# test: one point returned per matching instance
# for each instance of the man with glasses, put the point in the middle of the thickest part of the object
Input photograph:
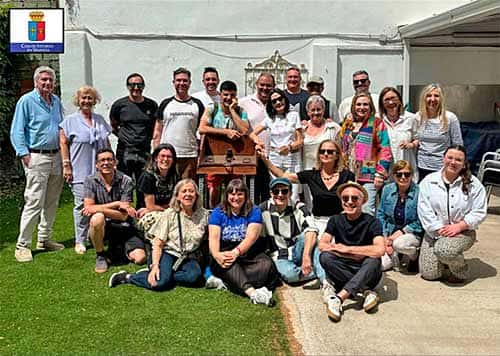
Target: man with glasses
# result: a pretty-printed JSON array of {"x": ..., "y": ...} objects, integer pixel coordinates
[
  {"x": 177, "y": 121},
  {"x": 295, "y": 94},
  {"x": 35, "y": 136},
  {"x": 361, "y": 84},
  {"x": 107, "y": 198},
  {"x": 210, "y": 81},
  {"x": 133, "y": 119},
  {"x": 292, "y": 235},
  {"x": 351, "y": 250}
]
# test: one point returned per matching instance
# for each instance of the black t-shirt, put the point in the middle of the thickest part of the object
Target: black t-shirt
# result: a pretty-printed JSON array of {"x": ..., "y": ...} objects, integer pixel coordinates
[
  {"x": 359, "y": 232},
  {"x": 162, "y": 188},
  {"x": 136, "y": 121},
  {"x": 298, "y": 102},
  {"x": 325, "y": 201}
]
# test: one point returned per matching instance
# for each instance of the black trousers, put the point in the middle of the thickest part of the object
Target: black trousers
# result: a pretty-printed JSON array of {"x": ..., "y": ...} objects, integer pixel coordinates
[
  {"x": 353, "y": 276},
  {"x": 133, "y": 166},
  {"x": 248, "y": 271},
  {"x": 262, "y": 180}
]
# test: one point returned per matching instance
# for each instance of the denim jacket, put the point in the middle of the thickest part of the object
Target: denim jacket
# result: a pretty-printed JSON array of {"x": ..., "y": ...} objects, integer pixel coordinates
[{"x": 385, "y": 212}]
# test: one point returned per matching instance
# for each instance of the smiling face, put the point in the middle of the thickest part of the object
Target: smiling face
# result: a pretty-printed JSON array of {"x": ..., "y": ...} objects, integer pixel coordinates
[
  {"x": 45, "y": 84},
  {"x": 264, "y": 86},
  {"x": 361, "y": 83},
  {"x": 453, "y": 162},
  {"x": 281, "y": 193},
  {"x": 187, "y": 196},
  {"x": 86, "y": 101},
  {"x": 402, "y": 177},
  {"x": 362, "y": 108},
  {"x": 106, "y": 163},
  {"x": 433, "y": 102},
  {"x": 135, "y": 86},
  {"x": 352, "y": 200},
  {"x": 236, "y": 200},
  {"x": 391, "y": 101},
  {"x": 182, "y": 82},
  {"x": 278, "y": 102},
  {"x": 328, "y": 153},
  {"x": 210, "y": 81},
  {"x": 315, "y": 111},
  {"x": 227, "y": 97},
  {"x": 164, "y": 160},
  {"x": 293, "y": 80}
]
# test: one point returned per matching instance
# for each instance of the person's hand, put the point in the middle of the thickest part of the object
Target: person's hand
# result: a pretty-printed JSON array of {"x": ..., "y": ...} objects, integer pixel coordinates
[
  {"x": 306, "y": 265},
  {"x": 338, "y": 247},
  {"x": 406, "y": 145},
  {"x": 154, "y": 275},
  {"x": 284, "y": 150},
  {"x": 141, "y": 212},
  {"x": 89, "y": 211},
  {"x": 304, "y": 123},
  {"x": 261, "y": 152},
  {"x": 125, "y": 206},
  {"x": 378, "y": 182},
  {"x": 450, "y": 230},
  {"x": 232, "y": 134},
  {"x": 234, "y": 105},
  {"x": 229, "y": 258},
  {"x": 396, "y": 234},
  {"x": 388, "y": 246},
  {"x": 26, "y": 160},
  {"x": 68, "y": 174}
]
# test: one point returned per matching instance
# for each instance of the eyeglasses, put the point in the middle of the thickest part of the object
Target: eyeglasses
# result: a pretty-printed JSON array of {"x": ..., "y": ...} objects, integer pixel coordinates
[
  {"x": 276, "y": 100},
  {"x": 135, "y": 85},
  {"x": 353, "y": 198},
  {"x": 360, "y": 81},
  {"x": 403, "y": 174},
  {"x": 283, "y": 191},
  {"x": 392, "y": 98},
  {"x": 107, "y": 159},
  {"x": 327, "y": 152}
]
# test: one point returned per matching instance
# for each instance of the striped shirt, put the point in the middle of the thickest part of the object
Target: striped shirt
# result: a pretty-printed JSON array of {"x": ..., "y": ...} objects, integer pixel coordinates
[
  {"x": 121, "y": 188},
  {"x": 433, "y": 140},
  {"x": 283, "y": 229}
]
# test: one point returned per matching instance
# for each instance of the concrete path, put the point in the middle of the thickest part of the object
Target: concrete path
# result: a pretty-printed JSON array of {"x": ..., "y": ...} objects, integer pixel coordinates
[{"x": 415, "y": 317}]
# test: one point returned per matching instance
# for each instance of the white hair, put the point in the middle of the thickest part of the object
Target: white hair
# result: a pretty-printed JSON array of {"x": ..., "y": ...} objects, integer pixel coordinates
[{"x": 43, "y": 69}]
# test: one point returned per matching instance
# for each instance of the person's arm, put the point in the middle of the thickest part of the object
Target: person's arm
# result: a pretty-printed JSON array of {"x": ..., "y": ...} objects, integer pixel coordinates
[
  {"x": 310, "y": 238},
  {"x": 252, "y": 234},
  {"x": 430, "y": 219},
  {"x": 17, "y": 134},
  {"x": 325, "y": 243},
  {"x": 214, "y": 233},
  {"x": 154, "y": 268},
  {"x": 299, "y": 141},
  {"x": 377, "y": 249},
  {"x": 384, "y": 153},
  {"x": 242, "y": 125},
  {"x": 110, "y": 210},
  {"x": 157, "y": 133},
  {"x": 292, "y": 177},
  {"x": 115, "y": 123},
  {"x": 255, "y": 133},
  {"x": 454, "y": 130},
  {"x": 64, "y": 147}
]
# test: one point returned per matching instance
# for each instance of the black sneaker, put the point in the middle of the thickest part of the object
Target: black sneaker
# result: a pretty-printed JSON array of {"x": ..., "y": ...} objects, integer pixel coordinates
[{"x": 117, "y": 279}]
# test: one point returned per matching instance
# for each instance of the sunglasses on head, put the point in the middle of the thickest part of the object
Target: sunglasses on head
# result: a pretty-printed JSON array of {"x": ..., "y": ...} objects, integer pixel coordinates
[
  {"x": 276, "y": 100},
  {"x": 353, "y": 198},
  {"x": 403, "y": 174},
  {"x": 327, "y": 152},
  {"x": 135, "y": 85},
  {"x": 283, "y": 191},
  {"x": 359, "y": 81}
]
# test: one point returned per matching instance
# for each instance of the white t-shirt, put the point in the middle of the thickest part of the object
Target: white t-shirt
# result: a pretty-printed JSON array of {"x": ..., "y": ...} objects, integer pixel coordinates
[
  {"x": 282, "y": 129},
  {"x": 207, "y": 100}
]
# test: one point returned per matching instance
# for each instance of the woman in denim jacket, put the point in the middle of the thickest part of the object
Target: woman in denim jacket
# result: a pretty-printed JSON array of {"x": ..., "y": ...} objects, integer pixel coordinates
[{"x": 397, "y": 212}]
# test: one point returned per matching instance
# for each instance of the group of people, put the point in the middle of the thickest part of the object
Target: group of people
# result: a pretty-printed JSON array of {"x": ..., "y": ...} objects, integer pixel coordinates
[{"x": 340, "y": 196}]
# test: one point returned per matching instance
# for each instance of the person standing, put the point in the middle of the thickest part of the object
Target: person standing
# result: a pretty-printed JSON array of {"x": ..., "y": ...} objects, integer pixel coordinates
[
  {"x": 210, "y": 95},
  {"x": 295, "y": 94},
  {"x": 361, "y": 84},
  {"x": 133, "y": 118},
  {"x": 35, "y": 136}
]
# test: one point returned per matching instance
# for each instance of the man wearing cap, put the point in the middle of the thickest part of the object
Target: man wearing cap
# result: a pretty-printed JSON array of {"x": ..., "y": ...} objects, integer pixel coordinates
[
  {"x": 315, "y": 86},
  {"x": 351, "y": 248},
  {"x": 361, "y": 84},
  {"x": 292, "y": 235},
  {"x": 35, "y": 136}
]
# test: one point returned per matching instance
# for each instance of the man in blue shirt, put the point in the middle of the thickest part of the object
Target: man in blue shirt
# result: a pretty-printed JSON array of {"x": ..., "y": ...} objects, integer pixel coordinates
[{"x": 35, "y": 136}]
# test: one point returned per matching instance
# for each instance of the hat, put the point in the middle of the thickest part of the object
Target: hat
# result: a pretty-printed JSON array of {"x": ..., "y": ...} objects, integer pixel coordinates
[
  {"x": 277, "y": 181},
  {"x": 316, "y": 80},
  {"x": 352, "y": 184}
]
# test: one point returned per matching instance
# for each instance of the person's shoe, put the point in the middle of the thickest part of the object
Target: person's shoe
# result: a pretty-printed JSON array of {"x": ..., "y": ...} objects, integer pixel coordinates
[
  {"x": 262, "y": 296},
  {"x": 327, "y": 290},
  {"x": 23, "y": 254},
  {"x": 101, "y": 266},
  {"x": 118, "y": 278},
  {"x": 334, "y": 308},
  {"x": 313, "y": 284},
  {"x": 371, "y": 300},
  {"x": 80, "y": 248},
  {"x": 215, "y": 283},
  {"x": 455, "y": 280},
  {"x": 49, "y": 245},
  {"x": 145, "y": 269}
]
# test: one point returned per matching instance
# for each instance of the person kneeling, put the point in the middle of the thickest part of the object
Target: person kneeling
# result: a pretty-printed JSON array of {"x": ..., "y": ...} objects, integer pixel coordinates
[
  {"x": 107, "y": 198},
  {"x": 351, "y": 247},
  {"x": 178, "y": 234},
  {"x": 292, "y": 235}
]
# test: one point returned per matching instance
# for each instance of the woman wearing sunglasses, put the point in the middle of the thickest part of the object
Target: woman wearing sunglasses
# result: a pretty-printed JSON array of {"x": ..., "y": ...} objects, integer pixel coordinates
[
  {"x": 401, "y": 126},
  {"x": 438, "y": 129},
  {"x": 366, "y": 147},
  {"x": 398, "y": 216},
  {"x": 81, "y": 135},
  {"x": 285, "y": 135},
  {"x": 322, "y": 180},
  {"x": 452, "y": 204}
]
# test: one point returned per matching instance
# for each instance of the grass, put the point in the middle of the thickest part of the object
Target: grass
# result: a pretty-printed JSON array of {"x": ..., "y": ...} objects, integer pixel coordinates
[{"x": 57, "y": 304}]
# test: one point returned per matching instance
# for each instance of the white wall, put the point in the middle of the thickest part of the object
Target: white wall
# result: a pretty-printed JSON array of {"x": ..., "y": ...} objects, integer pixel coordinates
[{"x": 339, "y": 37}]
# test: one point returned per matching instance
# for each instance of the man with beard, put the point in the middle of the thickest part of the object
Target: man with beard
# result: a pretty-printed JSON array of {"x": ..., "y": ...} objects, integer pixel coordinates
[{"x": 210, "y": 95}]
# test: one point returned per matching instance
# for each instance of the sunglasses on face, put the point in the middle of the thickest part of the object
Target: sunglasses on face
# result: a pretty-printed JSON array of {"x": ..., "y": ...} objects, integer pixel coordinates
[
  {"x": 403, "y": 174},
  {"x": 277, "y": 100},
  {"x": 135, "y": 85},
  {"x": 359, "y": 81},
  {"x": 327, "y": 152},
  {"x": 283, "y": 191},
  {"x": 353, "y": 198}
]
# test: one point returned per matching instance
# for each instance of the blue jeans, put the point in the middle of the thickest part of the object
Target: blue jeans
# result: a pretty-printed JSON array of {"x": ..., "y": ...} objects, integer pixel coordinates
[
  {"x": 187, "y": 273},
  {"x": 290, "y": 270},
  {"x": 81, "y": 222}
]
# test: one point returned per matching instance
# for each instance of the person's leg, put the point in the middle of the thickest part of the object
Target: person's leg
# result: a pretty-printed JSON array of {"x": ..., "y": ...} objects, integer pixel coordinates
[
  {"x": 186, "y": 167},
  {"x": 135, "y": 250},
  {"x": 288, "y": 270},
  {"x": 367, "y": 276},
  {"x": 318, "y": 269},
  {"x": 81, "y": 222},
  {"x": 336, "y": 269},
  {"x": 371, "y": 205},
  {"x": 188, "y": 272},
  {"x": 234, "y": 276},
  {"x": 429, "y": 265},
  {"x": 214, "y": 182},
  {"x": 54, "y": 188},
  {"x": 261, "y": 271},
  {"x": 298, "y": 253},
  {"x": 407, "y": 244},
  {"x": 96, "y": 231},
  {"x": 450, "y": 251},
  {"x": 166, "y": 279},
  {"x": 138, "y": 168},
  {"x": 262, "y": 180}
]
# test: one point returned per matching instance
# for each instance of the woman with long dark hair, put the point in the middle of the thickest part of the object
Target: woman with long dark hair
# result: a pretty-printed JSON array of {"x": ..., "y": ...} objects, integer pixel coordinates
[{"x": 452, "y": 204}]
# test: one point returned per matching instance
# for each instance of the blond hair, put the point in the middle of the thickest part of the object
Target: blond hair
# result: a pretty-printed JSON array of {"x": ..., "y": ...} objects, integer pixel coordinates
[
  {"x": 422, "y": 106},
  {"x": 86, "y": 89},
  {"x": 339, "y": 163}
]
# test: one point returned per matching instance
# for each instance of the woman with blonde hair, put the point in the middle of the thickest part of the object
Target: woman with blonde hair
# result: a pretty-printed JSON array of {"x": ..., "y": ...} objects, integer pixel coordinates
[
  {"x": 438, "y": 129},
  {"x": 81, "y": 135}
]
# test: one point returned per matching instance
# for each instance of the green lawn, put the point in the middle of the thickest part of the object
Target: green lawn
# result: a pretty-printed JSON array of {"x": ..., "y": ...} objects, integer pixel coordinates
[{"x": 58, "y": 304}]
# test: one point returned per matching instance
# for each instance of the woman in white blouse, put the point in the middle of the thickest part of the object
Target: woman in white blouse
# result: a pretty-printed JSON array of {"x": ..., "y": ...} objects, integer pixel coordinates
[{"x": 452, "y": 204}]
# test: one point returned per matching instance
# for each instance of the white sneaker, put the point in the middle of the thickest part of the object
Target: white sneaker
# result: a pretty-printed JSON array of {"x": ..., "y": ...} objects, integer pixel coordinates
[
  {"x": 312, "y": 284},
  {"x": 334, "y": 308},
  {"x": 327, "y": 291},
  {"x": 23, "y": 254},
  {"x": 371, "y": 300},
  {"x": 215, "y": 283},
  {"x": 80, "y": 248},
  {"x": 262, "y": 296}
]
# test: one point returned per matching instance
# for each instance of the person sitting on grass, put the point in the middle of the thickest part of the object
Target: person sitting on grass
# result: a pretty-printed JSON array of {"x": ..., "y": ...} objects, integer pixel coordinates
[
  {"x": 233, "y": 231},
  {"x": 178, "y": 235},
  {"x": 351, "y": 247},
  {"x": 225, "y": 120},
  {"x": 292, "y": 234},
  {"x": 107, "y": 197}
]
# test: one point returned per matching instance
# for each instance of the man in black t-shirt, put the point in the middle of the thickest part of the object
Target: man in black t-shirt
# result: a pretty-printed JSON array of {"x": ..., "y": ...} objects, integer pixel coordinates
[
  {"x": 351, "y": 247},
  {"x": 133, "y": 119},
  {"x": 295, "y": 94}
]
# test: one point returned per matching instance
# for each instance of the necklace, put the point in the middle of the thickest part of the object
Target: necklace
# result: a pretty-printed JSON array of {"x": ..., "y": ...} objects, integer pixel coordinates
[{"x": 328, "y": 177}]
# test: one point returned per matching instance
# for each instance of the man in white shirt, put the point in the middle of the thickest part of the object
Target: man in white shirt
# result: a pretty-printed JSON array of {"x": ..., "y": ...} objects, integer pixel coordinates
[
  {"x": 210, "y": 95},
  {"x": 361, "y": 84}
]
